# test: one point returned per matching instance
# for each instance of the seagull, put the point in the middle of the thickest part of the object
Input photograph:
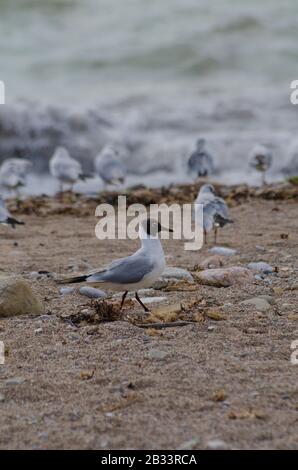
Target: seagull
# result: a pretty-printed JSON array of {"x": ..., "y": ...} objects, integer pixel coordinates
[
  {"x": 137, "y": 271},
  {"x": 261, "y": 159},
  {"x": 65, "y": 168},
  {"x": 200, "y": 162},
  {"x": 13, "y": 172},
  {"x": 215, "y": 210},
  {"x": 6, "y": 217},
  {"x": 291, "y": 169},
  {"x": 109, "y": 167}
]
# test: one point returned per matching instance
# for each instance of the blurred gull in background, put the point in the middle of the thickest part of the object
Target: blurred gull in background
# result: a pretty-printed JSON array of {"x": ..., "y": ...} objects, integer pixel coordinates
[
  {"x": 261, "y": 159},
  {"x": 109, "y": 167},
  {"x": 65, "y": 168},
  {"x": 200, "y": 162},
  {"x": 13, "y": 172},
  {"x": 6, "y": 217},
  {"x": 215, "y": 210}
]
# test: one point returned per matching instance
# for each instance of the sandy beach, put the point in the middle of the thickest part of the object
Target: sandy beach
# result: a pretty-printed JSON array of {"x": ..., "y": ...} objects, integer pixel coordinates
[{"x": 74, "y": 381}]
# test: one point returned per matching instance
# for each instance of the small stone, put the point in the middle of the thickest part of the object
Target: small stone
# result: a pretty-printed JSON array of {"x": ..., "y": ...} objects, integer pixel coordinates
[
  {"x": 261, "y": 267},
  {"x": 189, "y": 445},
  {"x": 216, "y": 444},
  {"x": 14, "y": 381},
  {"x": 210, "y": 328},
  {"x": 278, "y": 290},
  {"x": 87, "y": 374},
  {"x": 219, "y": 395},
  {"x": 285, "y": 307},
  {"x": 223, "y": 251},
  {"x": 86, "y": 311},
  {"x": 17, "y": 298},
  {"x": 157, "y": 354},
  {"x": 178, "y": 274},
  {"x": 34, "y": 275},
  {"x": 92, "y": 292},
  {"x": 269, "y": 298},
  {"x": 215, "y": 314},
  {"x": 38, "y": 331},
  {"x": 260, "y": 304},
  {"x": 224, "y": 277},
  {"x": 211, "y": 263},
  {"x": 260, "y": 248},
  {"x": 2, "y": 398},
  {"x": 92, "y": 330},
  {"x": 152, "y": 300},
  {"x": 66, "y": 290}
]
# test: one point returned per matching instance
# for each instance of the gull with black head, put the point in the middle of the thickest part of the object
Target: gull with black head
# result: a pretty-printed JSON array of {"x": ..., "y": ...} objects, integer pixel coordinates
[{"x": 137, "y": 271}]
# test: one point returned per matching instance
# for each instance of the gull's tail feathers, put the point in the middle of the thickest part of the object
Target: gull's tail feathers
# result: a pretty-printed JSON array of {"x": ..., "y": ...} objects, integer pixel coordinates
[
  {"x": 85, "y": 176},
  {"x": 73, "y": 280},
  {"x": 13, "y": 222},
  {"x": 222, "y": 221}
]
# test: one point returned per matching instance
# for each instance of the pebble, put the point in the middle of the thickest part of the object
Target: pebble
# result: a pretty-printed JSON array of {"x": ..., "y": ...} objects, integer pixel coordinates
[
  {"x": 262, "y": 304},
  {"x": 189, "y": 445},
  {"x": 1, "y": 398},
  {"x": 86, "y": 311},
  {"x": 92, "y": 292},
  {"x": 14, "y": 381},
  {"x": 260, "y": 248},
  {"x": 224, "y": 277},
  {"x": 210, "y": 328},
  {"x": 157, "y": 354},
  {"x": 152, "y": 300},
  {"x": 66, "y": 290},
  {"x": 216, "y": 444},
  {"x": 17, "y": 297},
  {"x": 38, "y": 331},
  {"x": 177, "y": 274},
  {"x": 222, "y": 250},
  {"x": 40, "y": 274},
  {"x": 212, "y": 262},
  {"x": 34, "y": 275},
  {"x": 261, "y": 267},
  {"x": 43, "y": 435}
]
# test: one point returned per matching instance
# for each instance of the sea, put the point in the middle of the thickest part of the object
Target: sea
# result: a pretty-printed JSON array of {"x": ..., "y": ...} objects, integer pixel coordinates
[{"x": 150, "y": 77}]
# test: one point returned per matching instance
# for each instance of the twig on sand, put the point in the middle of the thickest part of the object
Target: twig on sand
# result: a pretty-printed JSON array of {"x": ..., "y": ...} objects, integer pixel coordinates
[{"x": 160, "y": 326}]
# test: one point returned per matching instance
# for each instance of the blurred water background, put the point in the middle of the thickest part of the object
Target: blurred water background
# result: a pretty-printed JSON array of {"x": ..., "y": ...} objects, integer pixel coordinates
[{"x": 151, "y": 77}]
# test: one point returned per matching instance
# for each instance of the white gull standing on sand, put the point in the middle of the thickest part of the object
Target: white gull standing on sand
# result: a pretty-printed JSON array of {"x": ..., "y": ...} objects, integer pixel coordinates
[
  {"x": 138, "y": 271},
  {"x": 5, "y": 216},
  {"x": 13, "y": 172},
  {"x": 261, "y": 159},
  {"x": 109, "y": 167},
  {"x": 65, "y": 169},
  {"x": 200, "y": 163},
  {"x": 215, "y": 210}
]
